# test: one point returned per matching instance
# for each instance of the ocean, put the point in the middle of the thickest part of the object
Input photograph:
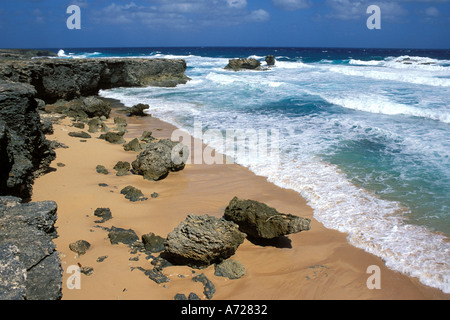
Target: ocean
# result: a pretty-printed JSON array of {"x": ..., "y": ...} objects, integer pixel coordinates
[{"x": 363, "y": 135}]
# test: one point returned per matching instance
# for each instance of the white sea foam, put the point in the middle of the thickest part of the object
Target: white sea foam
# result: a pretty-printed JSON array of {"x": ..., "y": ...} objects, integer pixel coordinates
[
  {"x": 381, "y": 104},
  {"x": 366, "y": 63},
  {"x": 408, "y": 76},
  {"x": 62, "y": 53}
]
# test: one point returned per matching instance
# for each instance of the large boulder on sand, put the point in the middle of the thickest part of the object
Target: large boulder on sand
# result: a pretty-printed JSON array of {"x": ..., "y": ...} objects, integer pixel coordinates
[
  {"x": 160, "y": 158},
  {"x": 203, "y": 240},
  {"x": 95, "y": 107},
  {"x": 260, "y": 221}
]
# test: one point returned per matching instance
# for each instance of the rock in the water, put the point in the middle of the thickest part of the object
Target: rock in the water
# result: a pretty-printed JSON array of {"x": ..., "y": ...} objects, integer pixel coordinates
[
  {"x": 153, "y": 243},
  {"x": 202, "y": 240},
  {"x": 258, "y": 220},
  {"x": 80, "y": 247},
  {"x": 160, "y": 158},
  {"x": 138, "y": 110},
  {"x": 270, "y": 60},
  {"x": 231, "y": 269},
  {"x": 103, "y": 213},
  {"x": 244, "y": 63},
  {"x": 30, "y": 267},
  {"x": 113, "y": 137},
  {"x": 133, "y": 194},
  {"x": 119, "y": 235},
  {"x": 122, "y": 168}
]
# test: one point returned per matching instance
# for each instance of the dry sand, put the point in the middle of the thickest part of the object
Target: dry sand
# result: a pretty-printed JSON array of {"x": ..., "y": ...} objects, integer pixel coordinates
[{"x": 317, "y": 264}]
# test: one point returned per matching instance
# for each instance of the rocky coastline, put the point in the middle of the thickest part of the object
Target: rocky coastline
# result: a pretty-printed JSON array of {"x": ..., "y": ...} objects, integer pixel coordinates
[
  {"x": 211, "y": 250},
  {"x": 32, "y": 269}
]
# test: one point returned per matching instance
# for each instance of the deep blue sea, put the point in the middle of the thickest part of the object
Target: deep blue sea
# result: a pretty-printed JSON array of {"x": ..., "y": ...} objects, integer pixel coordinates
[{"x": 364, "y": 136}]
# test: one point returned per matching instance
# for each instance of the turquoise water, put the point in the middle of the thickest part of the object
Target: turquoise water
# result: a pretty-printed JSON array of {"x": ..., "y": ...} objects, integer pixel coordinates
[{"x": 364, "y": 136}]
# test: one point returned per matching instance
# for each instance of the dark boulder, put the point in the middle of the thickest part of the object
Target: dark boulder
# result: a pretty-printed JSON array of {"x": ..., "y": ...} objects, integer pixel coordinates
[
  {"x": 258, "y": 220},
  {"x": 160, "y": 158},
  {"x": 113, "y": 137},
  {"x": 103, "y": 213},
  {"x": 119, "y": 235},
  {"x": 25, "y": 153},
  {"x": 133, "y": 194},
  {"x": 138, "y": 110},
  {"x": 80, "y": 247},
  {"x": 95, "y": 107},
  {"x": 95, "y": 124},
  {"x": 30, "y": 267},
  {"x": 134, "y": 145},
  {"x": 101, "y": 169},
  {"x": 203, "y": 240},
  {"x": 82, "y": 135},
  {"x": 122, "y": 168}
]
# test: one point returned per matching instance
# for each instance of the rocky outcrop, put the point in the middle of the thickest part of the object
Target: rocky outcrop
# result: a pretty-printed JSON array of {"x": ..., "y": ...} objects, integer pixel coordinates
[
  {"x": 21, "y": 54},
  {"x": 244, "y": 63},
  {"x": 160, "y": 158},
  {"x": 260, "y": 221},
  {"x": 203, "y": 240},
  {"x": 30, "y": 267},
  {"x": 25, "y": 153},
  {"x": 69, "y": 78}
]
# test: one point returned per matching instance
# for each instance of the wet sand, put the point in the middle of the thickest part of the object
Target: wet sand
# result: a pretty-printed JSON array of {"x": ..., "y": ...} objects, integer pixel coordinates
[{"x": 317, "y": 264}]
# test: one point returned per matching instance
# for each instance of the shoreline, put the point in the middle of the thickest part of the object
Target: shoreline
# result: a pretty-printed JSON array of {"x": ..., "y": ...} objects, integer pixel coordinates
[{"x": 317, "y": 264}]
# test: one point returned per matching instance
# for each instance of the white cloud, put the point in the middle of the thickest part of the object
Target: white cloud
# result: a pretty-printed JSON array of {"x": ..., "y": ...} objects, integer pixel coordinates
[
  {"x": 237, "y": 3},
  {"x": 291, "y": 5},
  {"x": 182, "y": 13},
  {"x": 432, "y": 12},
  {"x": 259, "y": 16}
]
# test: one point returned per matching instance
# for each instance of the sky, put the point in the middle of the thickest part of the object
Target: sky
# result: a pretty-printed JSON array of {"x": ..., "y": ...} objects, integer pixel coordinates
[{"x": 248, "y": 23}]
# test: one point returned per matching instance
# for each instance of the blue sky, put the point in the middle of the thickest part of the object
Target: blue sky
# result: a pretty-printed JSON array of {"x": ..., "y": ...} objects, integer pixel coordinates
[{"x": 265, "y": 23}]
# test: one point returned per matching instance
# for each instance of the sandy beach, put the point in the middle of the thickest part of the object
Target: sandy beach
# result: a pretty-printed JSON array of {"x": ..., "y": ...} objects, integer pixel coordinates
[{"x": 317, "y": 264}]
